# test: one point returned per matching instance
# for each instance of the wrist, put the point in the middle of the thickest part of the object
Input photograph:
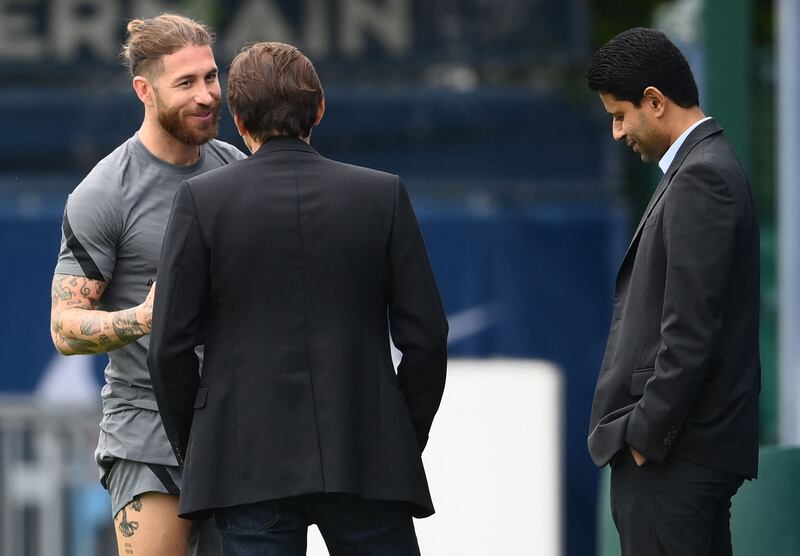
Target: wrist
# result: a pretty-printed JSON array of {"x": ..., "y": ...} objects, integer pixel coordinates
[{"x": 144, "y": 318}]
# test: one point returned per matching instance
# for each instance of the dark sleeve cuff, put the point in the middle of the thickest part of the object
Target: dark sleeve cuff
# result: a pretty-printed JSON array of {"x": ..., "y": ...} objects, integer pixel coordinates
[{"x": 637, "y": 437}]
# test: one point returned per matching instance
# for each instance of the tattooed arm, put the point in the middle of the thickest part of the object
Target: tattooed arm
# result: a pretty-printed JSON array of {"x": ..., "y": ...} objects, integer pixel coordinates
[{"x": 78, "y": 327}]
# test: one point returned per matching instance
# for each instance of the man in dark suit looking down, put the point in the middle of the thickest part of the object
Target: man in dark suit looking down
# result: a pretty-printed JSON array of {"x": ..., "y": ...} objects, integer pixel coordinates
[{"x": 675, "y": 409}]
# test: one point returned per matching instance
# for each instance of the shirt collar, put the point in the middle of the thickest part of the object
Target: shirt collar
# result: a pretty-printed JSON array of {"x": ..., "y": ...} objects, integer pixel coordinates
[{"x": 669, "y": 156}]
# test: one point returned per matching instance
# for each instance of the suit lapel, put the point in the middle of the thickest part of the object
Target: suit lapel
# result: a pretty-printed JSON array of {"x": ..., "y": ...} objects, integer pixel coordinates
[
  {"x": 660, "y": 188},
  {"x": 704, "y": 130}
]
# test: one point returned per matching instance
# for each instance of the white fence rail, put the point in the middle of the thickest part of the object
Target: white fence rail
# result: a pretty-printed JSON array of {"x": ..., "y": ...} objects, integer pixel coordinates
[
  {"x": 494, "y": 464},
  {"x": 51, "y": 503}
]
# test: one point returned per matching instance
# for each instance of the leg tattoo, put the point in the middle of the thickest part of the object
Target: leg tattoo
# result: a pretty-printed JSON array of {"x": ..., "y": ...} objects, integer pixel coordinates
[{"x": 127, "y": 528}]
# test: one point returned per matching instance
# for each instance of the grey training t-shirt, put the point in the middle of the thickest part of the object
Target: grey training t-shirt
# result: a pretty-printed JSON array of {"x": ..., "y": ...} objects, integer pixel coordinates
[{"x": 114, "y": 224}]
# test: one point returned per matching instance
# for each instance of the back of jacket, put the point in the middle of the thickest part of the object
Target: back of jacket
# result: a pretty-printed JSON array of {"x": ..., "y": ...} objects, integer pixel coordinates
[{"x": 290, "y": 272}]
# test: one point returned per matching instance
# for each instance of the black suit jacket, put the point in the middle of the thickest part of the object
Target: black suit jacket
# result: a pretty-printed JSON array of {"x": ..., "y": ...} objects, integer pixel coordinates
[
  {"x": 291, "y": 269},
  {"x": 681, "y": 372}
]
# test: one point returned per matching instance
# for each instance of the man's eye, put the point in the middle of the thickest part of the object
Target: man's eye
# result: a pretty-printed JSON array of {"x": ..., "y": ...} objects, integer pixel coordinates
[
  {"x": 211, "y": 77},
  {"x": 617, "y": 118}
]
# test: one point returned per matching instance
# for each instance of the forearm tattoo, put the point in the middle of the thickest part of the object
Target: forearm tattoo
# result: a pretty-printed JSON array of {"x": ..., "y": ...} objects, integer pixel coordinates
[
  {"x": 78, "y": 327},
  {"x": 126, "y": 327}
]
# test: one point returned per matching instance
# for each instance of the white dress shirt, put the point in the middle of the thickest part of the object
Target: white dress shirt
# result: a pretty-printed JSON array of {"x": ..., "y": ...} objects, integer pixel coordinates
[{"x": 669, "y": 156}]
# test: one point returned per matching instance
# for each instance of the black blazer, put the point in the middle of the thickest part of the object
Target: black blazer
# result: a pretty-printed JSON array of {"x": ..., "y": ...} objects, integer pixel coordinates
[
  {"x": 681, "y": 372},
  {"x": 291, "y": 269}
]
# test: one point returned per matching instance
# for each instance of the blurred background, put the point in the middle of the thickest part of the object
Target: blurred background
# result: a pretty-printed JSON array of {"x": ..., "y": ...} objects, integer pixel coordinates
[{"x": 526, "y": 203}]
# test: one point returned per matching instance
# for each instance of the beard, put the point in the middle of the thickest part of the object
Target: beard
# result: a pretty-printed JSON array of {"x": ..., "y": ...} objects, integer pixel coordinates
[{"x": 175, "y": 121}]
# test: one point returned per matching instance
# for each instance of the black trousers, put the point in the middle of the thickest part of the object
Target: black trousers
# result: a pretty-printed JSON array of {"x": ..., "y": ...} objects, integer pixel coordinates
[
  {"x": 676, "y": 508},
  {"x": 350, "y": 526}
]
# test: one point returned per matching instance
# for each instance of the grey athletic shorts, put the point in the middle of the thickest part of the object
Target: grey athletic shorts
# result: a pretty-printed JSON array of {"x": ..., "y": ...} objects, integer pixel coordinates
[{"x": 127, "y": 479}]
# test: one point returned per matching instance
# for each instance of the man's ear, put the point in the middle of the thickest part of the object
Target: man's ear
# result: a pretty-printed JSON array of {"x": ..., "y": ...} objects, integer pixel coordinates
[
  {"x": 655, "y": 100},
  {"x": 144, "y": 90},
  {"x": 239, "y": 125},
  {"x": 320, "y": 111},
  {"x": 244, "y": 134}
]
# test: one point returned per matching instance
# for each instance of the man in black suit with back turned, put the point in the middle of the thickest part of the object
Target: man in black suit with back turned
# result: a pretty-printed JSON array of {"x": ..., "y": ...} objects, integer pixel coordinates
[
  {"x": 292, "y": 269},
  {"x": 676, "y": 404}
]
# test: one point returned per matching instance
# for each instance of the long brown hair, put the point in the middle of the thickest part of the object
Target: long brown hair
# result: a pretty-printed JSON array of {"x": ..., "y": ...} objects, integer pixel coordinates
[{"x": 149, "y": 40}]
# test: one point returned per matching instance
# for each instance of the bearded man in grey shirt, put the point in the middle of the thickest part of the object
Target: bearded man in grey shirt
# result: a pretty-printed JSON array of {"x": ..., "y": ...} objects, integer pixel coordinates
[{"x": 114, "y": 224}]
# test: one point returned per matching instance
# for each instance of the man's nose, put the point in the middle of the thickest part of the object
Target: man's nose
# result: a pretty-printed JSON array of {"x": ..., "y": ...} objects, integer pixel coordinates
[
  {"x": 616, "y": 131},
  {"x": 203, "y": 95}
]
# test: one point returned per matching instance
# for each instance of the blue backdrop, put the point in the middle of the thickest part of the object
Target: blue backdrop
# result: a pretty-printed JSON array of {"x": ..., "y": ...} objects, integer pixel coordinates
[{"x": 512, "y": 190}]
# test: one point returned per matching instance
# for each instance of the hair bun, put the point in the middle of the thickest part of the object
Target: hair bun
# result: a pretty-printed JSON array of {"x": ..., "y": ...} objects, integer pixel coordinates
[{"x": 134, "y": 25}]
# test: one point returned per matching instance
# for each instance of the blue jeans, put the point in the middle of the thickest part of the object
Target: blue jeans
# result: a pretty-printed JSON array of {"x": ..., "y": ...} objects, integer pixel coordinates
[{"x": 350, "y": 526}]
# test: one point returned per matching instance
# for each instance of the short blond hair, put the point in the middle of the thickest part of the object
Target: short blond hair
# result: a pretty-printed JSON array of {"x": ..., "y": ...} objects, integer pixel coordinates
[{"x": 149, "y": 40}]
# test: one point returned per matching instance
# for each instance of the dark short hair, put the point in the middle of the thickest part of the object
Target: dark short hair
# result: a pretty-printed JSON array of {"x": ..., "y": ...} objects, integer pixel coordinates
[
  {"x": 275, "y": 90},
  {"x": 639, "y": 58}
]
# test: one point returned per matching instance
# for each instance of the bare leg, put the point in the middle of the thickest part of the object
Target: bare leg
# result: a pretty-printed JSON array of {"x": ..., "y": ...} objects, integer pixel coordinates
[{"x": 149, "y": 526}]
